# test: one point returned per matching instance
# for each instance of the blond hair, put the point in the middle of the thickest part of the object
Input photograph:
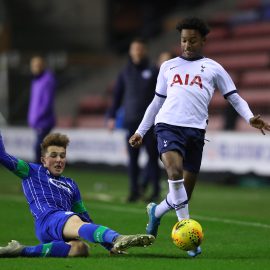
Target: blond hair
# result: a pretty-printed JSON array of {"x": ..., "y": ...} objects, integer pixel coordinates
[{"x": 55, "y": 139}]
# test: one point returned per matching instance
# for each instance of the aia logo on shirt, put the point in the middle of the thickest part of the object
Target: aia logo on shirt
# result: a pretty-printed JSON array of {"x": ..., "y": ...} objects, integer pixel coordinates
[{"x": 187, "y": 80}]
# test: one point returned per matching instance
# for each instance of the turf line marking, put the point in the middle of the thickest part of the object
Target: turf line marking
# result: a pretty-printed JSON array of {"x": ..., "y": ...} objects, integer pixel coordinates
[
  {"x": 232, "y": 221},
  {"x": 211, "y": 219},
  {"x": 142, "y": 211}
]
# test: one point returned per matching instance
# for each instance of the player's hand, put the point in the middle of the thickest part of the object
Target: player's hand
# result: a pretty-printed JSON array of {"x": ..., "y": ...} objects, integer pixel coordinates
[
  {"x": 258, "y": 123},
  {"x": 135, "y": 140}
]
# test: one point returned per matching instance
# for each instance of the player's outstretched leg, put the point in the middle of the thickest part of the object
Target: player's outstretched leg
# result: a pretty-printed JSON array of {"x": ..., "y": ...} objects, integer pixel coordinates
[
  {"x": 74, "y": 248},
  {"x": 13, "y": 249},
  {"x": 195, "y": 252},
  {"x": 124, "y": 242},
  {"x": 153, "y": 222}
]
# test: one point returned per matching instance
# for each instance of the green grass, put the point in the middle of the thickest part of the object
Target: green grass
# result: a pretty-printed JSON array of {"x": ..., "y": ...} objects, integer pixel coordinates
[{"x": 236, "y": 223}]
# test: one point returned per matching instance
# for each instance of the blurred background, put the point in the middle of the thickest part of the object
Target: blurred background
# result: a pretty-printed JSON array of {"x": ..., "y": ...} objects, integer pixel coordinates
[{"x": 86, "y": 43}]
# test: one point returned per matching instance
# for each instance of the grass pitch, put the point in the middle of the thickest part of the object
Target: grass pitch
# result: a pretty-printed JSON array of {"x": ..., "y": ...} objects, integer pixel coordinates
[{"x": 235, "y": 220}]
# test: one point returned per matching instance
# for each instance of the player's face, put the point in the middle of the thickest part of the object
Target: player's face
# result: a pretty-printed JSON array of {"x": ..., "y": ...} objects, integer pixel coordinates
[
  {"x": 137, "y": 52},
  {"x": 55, "y": 160},
  {"x": 37, "y": 65},
  {"x": 191, "y": 43}
]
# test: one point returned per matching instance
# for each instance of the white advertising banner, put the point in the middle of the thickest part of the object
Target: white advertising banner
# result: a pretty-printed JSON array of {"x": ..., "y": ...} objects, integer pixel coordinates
[
  {"x": 225, "y": 151},
  {"x": 237, "y": 152},
  {"x": 86, "y": 145}
]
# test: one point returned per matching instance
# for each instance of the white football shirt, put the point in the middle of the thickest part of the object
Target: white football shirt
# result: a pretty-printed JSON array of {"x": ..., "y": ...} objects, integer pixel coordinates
[{"x": 188, "y": 86}]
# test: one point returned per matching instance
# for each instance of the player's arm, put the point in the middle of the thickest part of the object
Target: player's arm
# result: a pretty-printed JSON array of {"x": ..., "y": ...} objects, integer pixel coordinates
[
  {"x": 241, "y": 106},
  {"x": 224, "y": 82},
  {"x": 79, "y": 207},
  {"x": 152, "y": 110},
  {"x": 148, "y": 120},
  {"x": 17, "y": 166}
]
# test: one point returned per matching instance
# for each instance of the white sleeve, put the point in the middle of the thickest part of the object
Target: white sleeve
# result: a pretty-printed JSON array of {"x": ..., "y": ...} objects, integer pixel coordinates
[
  {"x": 161, "y": 86},
  {"x": 150, "y": 115},
  {"x": 224, "y": 81},
  {"x": 241, "y": 106}
]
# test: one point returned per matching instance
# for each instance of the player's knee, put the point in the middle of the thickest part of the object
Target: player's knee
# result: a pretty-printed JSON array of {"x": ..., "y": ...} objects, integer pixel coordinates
[
  {"x": 174, "y": 170},
  {"x": 78, "y": 249},
  {"x": 175, "y": 173}
]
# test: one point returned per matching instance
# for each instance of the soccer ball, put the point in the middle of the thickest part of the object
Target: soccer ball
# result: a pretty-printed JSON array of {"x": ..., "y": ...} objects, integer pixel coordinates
[{"x": 187, "y": 234}]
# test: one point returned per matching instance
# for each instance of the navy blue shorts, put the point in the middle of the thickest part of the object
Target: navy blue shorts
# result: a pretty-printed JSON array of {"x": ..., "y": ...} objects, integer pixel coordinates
[
  {"x": 187, "y": 141},
  {"x": 50, "y": 227}
]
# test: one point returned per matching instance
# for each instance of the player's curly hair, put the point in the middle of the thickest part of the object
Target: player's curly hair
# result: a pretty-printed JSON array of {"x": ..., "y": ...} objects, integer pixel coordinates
[
  {"x": 55, "y": 139},
  {"x": 193, "y": 23}
]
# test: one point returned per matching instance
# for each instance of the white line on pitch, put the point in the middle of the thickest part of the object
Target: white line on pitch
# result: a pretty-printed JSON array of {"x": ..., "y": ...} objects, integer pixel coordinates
[
  {"x": 211, "y": 219},
  {"x": 143, "y": 211}
]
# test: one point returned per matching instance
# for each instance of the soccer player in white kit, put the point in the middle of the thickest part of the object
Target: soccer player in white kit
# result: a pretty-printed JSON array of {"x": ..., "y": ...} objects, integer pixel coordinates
[{"x": 179, "y": 110}]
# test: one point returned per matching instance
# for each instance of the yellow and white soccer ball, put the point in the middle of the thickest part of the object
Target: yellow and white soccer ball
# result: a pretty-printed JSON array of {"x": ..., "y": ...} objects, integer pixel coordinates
[{"x": 187, "y": 234}]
